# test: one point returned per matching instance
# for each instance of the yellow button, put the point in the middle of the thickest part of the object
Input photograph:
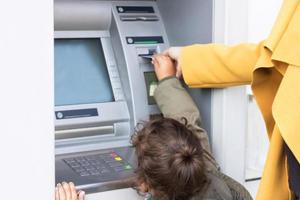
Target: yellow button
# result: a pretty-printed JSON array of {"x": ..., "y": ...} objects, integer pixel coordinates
[{"x": 118, "y": 158}]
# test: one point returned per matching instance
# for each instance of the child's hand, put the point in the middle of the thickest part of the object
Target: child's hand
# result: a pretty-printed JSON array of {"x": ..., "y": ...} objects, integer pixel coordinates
[
  {"x": 174, "y": 53},
  {"x": 164, "y": 66},
  {"x": 67, "y": 191}
]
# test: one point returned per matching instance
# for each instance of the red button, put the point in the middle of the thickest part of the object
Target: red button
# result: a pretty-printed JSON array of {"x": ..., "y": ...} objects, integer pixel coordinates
[{"x": 114, "y": 155}]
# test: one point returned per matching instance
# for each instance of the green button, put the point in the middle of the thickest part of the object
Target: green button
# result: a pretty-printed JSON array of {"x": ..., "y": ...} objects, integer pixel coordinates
[{"x": 128, "y": 167}]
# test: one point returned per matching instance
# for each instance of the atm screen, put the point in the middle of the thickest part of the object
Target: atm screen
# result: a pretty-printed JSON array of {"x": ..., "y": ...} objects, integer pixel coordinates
[
  {"x": 151, "y": 84},
  {"x": 81, "y": 75}
]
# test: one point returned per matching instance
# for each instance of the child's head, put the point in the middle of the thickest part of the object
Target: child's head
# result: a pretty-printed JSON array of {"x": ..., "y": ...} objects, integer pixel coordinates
[{"x": 170, "y": 159}]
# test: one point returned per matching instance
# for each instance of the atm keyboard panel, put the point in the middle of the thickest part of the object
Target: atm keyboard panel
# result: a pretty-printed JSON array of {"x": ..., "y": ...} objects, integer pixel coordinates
[{"x": 98, "y": 164}]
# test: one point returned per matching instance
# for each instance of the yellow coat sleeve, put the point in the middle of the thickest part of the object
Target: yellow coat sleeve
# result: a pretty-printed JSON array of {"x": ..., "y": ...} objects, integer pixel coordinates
[{"x": 215, "y": 65}]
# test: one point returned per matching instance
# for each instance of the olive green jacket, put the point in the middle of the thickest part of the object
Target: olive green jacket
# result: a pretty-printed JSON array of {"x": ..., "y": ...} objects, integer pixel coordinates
[{"x": 174, "y": 102}]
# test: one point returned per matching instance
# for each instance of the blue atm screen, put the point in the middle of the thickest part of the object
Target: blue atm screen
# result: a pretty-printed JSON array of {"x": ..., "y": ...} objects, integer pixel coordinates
[{"x": 81, "y": 75}]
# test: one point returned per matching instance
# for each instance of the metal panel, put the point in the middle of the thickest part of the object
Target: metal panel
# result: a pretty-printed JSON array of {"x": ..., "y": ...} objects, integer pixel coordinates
[
  {"x": 135, "y": 69},
  {"x": 188, "y": 22}
]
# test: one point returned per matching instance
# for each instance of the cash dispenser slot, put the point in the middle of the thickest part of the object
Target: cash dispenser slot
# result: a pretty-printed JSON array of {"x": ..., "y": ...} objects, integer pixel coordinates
[{"x": 84, "y": 132}]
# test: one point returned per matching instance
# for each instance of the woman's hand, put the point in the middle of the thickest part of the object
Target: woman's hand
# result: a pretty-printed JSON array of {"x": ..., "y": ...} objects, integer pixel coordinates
[
  {"x": 174, "y": 53},
  {"x": 67, "y": 191},
  {"x": 164, "y": 66}
]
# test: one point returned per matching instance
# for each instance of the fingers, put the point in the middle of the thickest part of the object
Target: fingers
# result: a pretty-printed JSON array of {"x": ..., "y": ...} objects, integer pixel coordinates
[
  {"x": 178, "y": 70},
  {"x": 173, "y": 52},
  {"x": 73, "y": 191},
  {"x": 154, "y": 61},
  {"x": 67, "y": 191},
  {"x": 166, "y": 62},
  {"x": 179, "y": 74},
  {"x": 81, "y": 195},
  {"x": 56, "y": 194},
  {"x": 163, "y": 66},
  {"x": 166, "y": 52},
  {"x": 159, "y": 58},
  {"x": 61, "y": 192}
]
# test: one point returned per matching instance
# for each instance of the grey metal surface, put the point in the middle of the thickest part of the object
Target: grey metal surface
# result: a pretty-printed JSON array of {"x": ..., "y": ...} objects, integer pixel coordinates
[
  {"x": 100, "y": 182},
  {"x": 189, "y": 22},
  {"x": 140, "y": 109},
  {"x": 202, "y": 98},
  {"x": 81, "y": 15}
]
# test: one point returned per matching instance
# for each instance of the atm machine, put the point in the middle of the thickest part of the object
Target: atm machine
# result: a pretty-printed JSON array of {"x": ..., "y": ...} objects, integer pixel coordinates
[{"x": 104, "y": 82}]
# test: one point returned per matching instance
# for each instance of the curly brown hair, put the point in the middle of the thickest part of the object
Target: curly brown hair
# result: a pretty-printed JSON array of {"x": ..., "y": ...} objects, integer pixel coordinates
[{"x": 170, "y": 160}]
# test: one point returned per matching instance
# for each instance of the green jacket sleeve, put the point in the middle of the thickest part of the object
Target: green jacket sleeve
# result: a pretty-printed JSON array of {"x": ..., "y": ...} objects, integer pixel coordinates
[{"x": 174, "y": 102}]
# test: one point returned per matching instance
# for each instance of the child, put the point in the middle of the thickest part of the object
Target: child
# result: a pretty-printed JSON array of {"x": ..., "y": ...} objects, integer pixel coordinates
[{"x": 173, "y": 153}]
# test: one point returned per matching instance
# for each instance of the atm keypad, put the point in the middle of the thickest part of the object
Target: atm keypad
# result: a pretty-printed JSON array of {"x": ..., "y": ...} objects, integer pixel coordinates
[{"x": 98, "y": 164}]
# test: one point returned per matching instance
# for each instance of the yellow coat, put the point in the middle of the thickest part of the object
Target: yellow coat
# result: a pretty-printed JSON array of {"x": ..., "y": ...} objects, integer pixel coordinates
[{"x": 273, "y": 69}]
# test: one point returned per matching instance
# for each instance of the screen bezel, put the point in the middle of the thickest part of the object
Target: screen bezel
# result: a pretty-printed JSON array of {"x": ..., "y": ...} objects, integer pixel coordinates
[{"x": 114, "y": 106}]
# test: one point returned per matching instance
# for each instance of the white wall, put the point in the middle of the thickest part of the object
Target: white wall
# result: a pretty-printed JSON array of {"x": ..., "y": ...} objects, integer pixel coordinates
[
  {"x": 261, "y": 17},
  {"x": 238, "y": 21},
  {"x": 237, "y": 122},
  {"x": 229, "y": 106},
  {"x": 26, "y": 104}
]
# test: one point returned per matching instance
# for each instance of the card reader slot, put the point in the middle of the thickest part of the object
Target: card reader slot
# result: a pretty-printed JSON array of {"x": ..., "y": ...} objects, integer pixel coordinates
[
  {"x": 146, "y": 53},
  {"x": 146, "y": 56},
  {"x": 139, "y": 18},
  {"x": 84, "y": 132}
]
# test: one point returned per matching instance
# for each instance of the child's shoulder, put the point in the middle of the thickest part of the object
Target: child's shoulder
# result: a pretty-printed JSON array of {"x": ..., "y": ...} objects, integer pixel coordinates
[
  {"x": 222, "y": 187},
  {"x": 216, "y": 188}
]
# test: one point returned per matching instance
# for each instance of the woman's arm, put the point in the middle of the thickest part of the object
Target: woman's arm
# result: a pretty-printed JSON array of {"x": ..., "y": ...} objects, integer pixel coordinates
[{"x": 216, "y": 65}]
